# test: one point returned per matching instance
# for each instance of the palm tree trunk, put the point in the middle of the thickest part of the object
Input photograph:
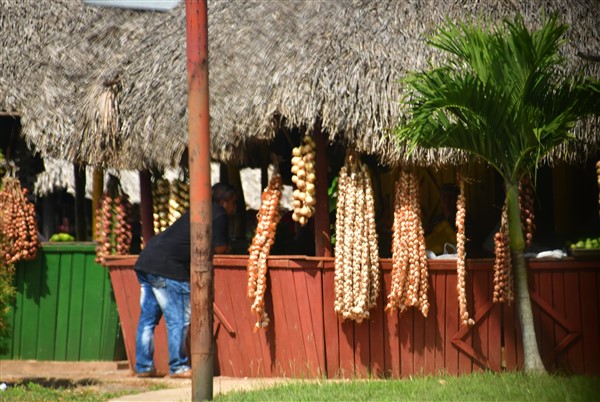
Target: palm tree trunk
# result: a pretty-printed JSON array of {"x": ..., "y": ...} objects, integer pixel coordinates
[{"x": 532, "y": 362}]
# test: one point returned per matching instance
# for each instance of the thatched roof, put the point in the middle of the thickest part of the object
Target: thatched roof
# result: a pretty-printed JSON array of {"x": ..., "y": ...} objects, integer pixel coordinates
[
  {"x": 272, "y": 64},
  {"x": 50, "y": 49}
]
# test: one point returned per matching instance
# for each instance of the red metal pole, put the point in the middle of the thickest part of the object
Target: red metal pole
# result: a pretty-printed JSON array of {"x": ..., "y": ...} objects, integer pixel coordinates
[{"x": 201, "y": 269}]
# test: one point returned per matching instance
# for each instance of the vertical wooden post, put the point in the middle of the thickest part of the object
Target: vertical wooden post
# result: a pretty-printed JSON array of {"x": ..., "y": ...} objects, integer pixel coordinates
[
  {"x": 98, "y": 186},
  {"x": 235, "y": 181},
  {"x": 80, "y": 226},
  {"x": 146, "y": 206},
  {"x": 201, "y": 269},
  {"x": 322, "y": 234}
]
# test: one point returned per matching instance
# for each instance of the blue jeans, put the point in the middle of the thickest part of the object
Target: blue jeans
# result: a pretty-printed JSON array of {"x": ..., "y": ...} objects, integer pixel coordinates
[{"x": 162, "y": 296}]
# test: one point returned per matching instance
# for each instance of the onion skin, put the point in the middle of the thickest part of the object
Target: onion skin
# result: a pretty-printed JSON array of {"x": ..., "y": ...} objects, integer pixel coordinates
[
  {"x": 18, "y": 226},
  {"x": 303, "y": 176},
  {"x": 264, "y": 237}
]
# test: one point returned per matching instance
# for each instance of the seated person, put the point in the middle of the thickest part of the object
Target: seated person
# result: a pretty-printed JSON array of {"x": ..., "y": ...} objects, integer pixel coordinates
[{"x": 442, "y": 227}]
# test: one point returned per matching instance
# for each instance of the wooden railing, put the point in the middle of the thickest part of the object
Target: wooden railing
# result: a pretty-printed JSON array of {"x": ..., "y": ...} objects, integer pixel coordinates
[{"x": 305, "y": 339}]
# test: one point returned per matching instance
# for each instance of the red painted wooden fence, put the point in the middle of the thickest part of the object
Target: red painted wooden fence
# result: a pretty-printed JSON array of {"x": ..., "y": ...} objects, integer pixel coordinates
[{"x": 306, "y": 340}]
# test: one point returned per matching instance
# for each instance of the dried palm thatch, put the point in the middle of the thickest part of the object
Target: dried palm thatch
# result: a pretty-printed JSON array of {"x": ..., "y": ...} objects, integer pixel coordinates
[
  {"x": 273, "y": 64},
  {"x": 50, "y": 48}
]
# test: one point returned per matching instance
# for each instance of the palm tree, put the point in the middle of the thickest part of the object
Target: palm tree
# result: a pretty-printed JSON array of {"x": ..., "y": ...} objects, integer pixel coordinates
[{"x": 503, "y": 96}]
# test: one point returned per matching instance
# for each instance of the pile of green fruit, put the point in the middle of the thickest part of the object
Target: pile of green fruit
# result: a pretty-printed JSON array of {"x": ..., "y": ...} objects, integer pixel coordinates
[
  {"x": 587, "y": 243},
  {"x": 61, "y": 237}
]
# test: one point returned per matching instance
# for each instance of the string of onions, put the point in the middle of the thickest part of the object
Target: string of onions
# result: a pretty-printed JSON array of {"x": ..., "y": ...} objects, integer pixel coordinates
[
  {"x": 179, "y": 199},
  {"x": 113, "y": 223},
  {"x": 161, "y": 192},
  {"x": 264, "y": 237},
  {"x": 461, "y": 271},
  {"x": 503, "y": 276},
  {"x": 357, "y": 271},
  {"x": 410, "y": 268},
  {"x": 598, "y": 174},
  {"x": 526, "y": 202},
  {"x": 304, "y": 177},
  {"x": 19, "y": 226}
]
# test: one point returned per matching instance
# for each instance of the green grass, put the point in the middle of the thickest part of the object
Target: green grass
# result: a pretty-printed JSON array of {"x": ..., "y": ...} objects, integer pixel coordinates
[
  {"x": 475, "y": 387},
  {"x": 34, "y": 392}
]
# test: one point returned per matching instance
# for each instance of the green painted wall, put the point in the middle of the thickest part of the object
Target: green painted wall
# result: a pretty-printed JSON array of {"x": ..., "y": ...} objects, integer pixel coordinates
[{"x": 65, "y": 308}]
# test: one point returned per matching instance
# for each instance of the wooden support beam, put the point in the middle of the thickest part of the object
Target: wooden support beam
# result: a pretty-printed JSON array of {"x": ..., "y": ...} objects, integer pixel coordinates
[{"x": 321, "y": 217}]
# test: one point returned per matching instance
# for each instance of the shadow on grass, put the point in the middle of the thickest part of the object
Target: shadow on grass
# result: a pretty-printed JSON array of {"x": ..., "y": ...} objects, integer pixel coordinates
[{"x": 54, "y": 383}]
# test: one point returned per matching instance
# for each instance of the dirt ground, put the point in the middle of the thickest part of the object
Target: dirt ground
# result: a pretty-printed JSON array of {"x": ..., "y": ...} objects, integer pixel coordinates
[
  {"x": 104, "y": 376},
  {"x": 113, "y": 377}
]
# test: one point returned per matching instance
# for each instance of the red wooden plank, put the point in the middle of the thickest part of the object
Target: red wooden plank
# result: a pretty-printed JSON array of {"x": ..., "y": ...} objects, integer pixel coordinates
[
  {"x": 376, "y": 331},
  {"x": 330, "y": 326},
  {"x": 430, "y": 333},
  {"x": 407, "y": 343},
  {"x": 558, "y": 302},
  {"x": 546, "y": 329},
  {"x": 362, "y": 345},
  {"x": 224, "y": 341},
  {"x": 494, "y": 327},
  {"x": 465, "y": 362},
  {"x": 346, "y": 347},
  {"x": 438, "y": 313},
  {"x": 124, "y": 317},
  {"x": 391, "y": 338},
  {"x": 295, "y": 363},
  {"x": 480, "y": 333},
  {"x": 452, "y": 324},
  {"x": 419, "y": 342},
  {"x": 590, "y": 315},
  {"x": 308, "y": 326},
  {"x": 282, "y": 354},
  {"x": 573, "y": 314},
  {"x": 314, "y": 286},
  {"x": 246, "y": 364}
]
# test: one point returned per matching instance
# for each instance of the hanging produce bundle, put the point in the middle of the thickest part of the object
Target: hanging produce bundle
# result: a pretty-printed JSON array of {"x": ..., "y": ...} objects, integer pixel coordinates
[
  {"x": 461, "y": 239},
  {"x": 113, "y": 224},
  {"x": 179, "y": 200},
  {"x": 598, "y": 174},
  {"x": 526, "y": 201},
  {"x": 160, "y": 204},
  {"x": 303, "y": 176},
  {"x": 18, "y": 224},
  {"x": 356, "y": 249},
  {"x": 503, "y": 278},
  {"x": 267, "y": 217},
  {"x": 410, "y": 268}
]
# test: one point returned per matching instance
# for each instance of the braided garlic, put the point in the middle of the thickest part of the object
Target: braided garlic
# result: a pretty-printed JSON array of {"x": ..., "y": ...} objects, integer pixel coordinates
[
  {"x": 461, "y": 270},
  {"x": 410, "y": 268},
  {"x": 357, "y": 271}
]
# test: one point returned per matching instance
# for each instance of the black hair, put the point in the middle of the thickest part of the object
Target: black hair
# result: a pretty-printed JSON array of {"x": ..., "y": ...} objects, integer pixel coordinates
[{"x": 222, "y": 192}]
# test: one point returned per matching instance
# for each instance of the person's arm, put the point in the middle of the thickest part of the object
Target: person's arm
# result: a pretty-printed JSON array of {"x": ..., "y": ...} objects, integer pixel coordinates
[
  {"x": 221, "y": 249},
  {"x": 220, "y": 234}
]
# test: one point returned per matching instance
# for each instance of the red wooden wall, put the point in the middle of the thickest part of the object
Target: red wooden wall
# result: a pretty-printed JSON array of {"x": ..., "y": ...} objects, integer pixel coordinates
[{"x": 305, "y": 338}]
